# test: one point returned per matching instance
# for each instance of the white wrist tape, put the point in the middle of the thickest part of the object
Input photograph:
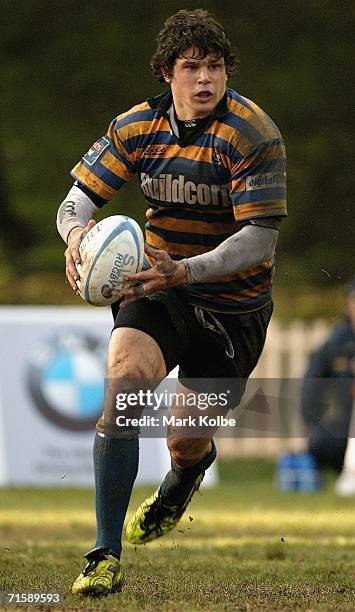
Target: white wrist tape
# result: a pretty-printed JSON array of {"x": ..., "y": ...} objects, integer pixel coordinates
[{"x": 75, "y": 211}]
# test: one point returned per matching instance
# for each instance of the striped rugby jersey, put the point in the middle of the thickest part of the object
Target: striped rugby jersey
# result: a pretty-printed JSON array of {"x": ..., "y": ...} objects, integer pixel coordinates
[{"x": 197, "y": 193}]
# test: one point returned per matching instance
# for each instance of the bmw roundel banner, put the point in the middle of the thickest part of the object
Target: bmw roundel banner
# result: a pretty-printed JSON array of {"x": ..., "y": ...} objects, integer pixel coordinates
[
  {"x": 65, "y": 378},
  {"x": 52, "y": 370}
]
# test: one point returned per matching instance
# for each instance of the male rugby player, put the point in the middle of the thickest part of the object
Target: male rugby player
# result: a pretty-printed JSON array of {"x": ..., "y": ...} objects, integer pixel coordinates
[{"x": 211, "y": 165}]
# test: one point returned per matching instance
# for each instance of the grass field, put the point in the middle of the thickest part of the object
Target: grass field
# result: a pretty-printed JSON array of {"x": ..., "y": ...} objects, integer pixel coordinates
[{"x": 248, "y": 547}]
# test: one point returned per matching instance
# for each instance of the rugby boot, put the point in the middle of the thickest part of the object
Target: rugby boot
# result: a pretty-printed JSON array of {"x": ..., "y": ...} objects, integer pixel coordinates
[
  {"x": 102, "y": 575},
  {"x": 155, "y": 517}
]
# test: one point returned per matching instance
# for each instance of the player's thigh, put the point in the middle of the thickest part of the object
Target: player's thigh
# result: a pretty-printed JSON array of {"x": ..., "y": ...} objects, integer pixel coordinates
[
  {"x": 157, "y": 349},
  {"x": 133, "y": 353},
  {"x": 144, "y": 347}
]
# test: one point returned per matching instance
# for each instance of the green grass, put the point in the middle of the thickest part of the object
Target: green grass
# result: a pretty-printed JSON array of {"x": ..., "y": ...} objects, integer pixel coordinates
[{"x": 248, "y": 547}]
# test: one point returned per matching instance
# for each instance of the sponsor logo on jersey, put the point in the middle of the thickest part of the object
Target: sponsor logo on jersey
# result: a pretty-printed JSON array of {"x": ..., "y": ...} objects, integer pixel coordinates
[
  {"x": 266, "y": 180},
  {"x": 154, "y": 151},
  {"x": 167, "y": 188},
  {"x": 96, "y": 150},
  {"x": 190, "y": 123}
]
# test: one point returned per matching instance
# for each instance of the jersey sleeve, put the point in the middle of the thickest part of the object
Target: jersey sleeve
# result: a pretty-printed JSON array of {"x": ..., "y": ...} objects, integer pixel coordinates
[
  {"x": 258, "y": 182},
  {"x": 107, "y": 166}
]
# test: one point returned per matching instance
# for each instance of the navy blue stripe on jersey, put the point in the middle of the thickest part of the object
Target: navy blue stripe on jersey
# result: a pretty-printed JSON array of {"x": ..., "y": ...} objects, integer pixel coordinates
[
  {"x": 238, "y": 98},
  {"x": 106, "y": 175},
  {"x": 234, "y": 286},
  {"x": 210, "y": 141},
  {"x": 274, "y": 165},
  {"x": 143, "y": 140},
  {"x": 187, "y": 167},
  {"x": 244, "y": 128},
  {"x": 130, "y": 167},
  {"x": 258, "y": 195},
  {"x": 208, "y": 240},
  {"x": 193, "y": 215},
  {"x": 143, "y": 115},
  {"x": 165, "y": 138}
]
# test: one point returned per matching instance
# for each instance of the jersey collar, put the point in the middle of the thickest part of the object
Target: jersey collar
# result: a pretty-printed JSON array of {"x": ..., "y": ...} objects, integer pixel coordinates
[{"x": 163, "y": 102}]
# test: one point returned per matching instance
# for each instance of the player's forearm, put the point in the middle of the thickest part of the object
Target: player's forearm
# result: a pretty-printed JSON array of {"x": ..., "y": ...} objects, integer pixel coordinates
[
  {"x": 75, "y": 211},
  {"x": 248, "y": 248}
]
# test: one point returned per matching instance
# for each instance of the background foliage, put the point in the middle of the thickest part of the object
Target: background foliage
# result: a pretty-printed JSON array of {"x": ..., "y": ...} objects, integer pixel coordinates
[{"x": 69, "y": 68}]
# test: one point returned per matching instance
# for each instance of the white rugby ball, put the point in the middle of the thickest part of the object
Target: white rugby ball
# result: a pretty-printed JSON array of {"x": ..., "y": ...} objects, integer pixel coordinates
[{"x": 113, "y": 248}]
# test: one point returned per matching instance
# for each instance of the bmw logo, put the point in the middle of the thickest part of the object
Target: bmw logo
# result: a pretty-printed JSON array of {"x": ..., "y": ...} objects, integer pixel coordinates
[{"x": 66, "y": 380}]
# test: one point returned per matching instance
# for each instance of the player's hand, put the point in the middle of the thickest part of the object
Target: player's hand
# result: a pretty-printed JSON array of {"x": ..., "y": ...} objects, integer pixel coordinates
[
  {"x": 72, "y": 255},
  {"x": 165, "y": 273}
]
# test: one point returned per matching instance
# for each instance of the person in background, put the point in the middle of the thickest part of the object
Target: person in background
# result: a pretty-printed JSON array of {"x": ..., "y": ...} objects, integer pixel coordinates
[{"x": 327, "y": 392}]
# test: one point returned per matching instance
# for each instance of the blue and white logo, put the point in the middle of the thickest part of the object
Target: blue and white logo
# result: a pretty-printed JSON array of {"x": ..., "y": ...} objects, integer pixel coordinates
[{"x": 66, "y": 380}]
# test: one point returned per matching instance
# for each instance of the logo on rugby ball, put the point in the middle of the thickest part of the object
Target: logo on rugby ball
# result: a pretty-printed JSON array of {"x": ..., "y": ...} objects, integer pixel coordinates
[{"x": 106, "y": 291}]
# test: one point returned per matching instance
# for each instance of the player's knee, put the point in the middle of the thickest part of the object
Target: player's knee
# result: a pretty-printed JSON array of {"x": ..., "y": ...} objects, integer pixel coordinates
[
  {"x": 186, "y": 452},
  {"x": 126, "y": 364},
  {"x": 125, "y": 367},
  {"x": 134, "y": 356}
]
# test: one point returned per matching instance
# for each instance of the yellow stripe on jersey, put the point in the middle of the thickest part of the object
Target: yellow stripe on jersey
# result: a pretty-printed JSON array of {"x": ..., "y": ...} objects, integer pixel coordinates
[
  {"x": 193, "y": 227},
  {"x": 142, "y": 127},
  {"x": 239, "y": 141},
  {"x": 116, "y": 166},
  {"x": 256, "y": 119},
  {"x": 271, "y": 208},
  {"x": 266, "y": 265},
  {"x": 89, "y": 179},
  {"x": 180, "y": 250}
]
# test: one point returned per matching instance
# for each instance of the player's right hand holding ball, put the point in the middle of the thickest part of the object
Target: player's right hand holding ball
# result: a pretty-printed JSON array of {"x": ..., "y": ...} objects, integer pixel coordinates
[{"x": 72, "y": 255}]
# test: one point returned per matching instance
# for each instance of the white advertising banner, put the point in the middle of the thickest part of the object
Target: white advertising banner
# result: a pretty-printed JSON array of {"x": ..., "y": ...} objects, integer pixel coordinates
[{"x": 52, "y": 370}]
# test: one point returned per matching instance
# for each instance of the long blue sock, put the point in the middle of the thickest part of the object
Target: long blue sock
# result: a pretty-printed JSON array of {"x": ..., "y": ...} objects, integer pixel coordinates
[
  {"x": 178, "y": 483},
  {"x": 116, "y": 466}
]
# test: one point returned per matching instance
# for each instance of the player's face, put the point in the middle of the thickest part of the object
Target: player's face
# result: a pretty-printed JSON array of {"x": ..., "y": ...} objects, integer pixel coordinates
[{"x": 197, "y": 85}]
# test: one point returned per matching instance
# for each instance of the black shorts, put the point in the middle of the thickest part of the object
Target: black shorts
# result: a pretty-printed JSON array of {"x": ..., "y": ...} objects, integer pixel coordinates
[{"x": 206, "y": 345}]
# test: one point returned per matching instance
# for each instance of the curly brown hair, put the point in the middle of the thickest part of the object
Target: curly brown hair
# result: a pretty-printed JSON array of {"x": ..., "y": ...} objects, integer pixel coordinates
[{"x": 188, "y": 29}]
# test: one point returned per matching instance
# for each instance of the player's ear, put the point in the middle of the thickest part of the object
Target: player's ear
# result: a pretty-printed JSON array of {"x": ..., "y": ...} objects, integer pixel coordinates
[{"x": 166, "y": 75}]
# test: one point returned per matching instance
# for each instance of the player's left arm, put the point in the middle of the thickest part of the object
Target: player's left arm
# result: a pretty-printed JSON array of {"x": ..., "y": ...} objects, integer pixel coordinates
[{"x": 246, "y": 249}]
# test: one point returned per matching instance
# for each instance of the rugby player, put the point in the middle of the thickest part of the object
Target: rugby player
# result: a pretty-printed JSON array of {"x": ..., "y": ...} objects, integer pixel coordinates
[{"x": 211, "y": 165}]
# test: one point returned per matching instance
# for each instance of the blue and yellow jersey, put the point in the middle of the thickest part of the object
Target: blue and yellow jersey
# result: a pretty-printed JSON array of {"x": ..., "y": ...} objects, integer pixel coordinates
[{"x": 200, "y": 193}]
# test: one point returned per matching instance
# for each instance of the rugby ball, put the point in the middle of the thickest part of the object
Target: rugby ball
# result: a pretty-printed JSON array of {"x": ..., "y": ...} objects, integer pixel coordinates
[{"x": 113, "y": 248}]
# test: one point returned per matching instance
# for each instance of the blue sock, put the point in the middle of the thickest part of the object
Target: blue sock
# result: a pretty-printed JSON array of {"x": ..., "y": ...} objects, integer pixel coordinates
[
  {"x": 116, "y": 466},
  {"x": 178, "y": 483}
]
